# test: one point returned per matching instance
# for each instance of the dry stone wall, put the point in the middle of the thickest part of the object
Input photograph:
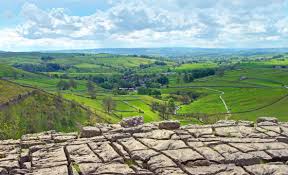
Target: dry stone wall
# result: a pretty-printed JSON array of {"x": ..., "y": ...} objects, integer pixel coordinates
[{"x": 226, "y": 147}]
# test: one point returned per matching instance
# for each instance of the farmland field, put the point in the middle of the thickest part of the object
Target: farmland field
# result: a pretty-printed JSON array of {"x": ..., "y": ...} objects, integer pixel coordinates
[{"x": 140, "y": 86}]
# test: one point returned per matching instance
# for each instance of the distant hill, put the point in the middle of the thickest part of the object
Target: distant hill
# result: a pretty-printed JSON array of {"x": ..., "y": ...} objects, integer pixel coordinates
[
  {"x": 182, "y": 51},
  {"x": 27, "y": 110}
]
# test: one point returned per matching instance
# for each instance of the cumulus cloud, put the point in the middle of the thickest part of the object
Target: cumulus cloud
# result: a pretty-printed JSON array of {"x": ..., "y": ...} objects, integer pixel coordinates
[
  {"x": 11, "y": 40},
  {"x": 146, "y": 23}
]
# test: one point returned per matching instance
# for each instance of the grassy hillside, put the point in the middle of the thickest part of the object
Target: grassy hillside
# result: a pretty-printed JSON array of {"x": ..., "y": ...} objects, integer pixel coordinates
[
  {"x": 244, "y": 85},
  {"x": 36, "y": 112},
  {"x": 9, "y": 91},
  {"x": 7, "y": 71}
]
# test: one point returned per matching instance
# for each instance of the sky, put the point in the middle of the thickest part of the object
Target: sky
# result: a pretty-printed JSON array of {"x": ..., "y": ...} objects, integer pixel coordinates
[{"x": 32, "y": 25}]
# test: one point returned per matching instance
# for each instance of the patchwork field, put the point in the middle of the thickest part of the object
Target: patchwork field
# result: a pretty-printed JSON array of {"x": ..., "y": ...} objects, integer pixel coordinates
[{"x": 245, "y": 90}]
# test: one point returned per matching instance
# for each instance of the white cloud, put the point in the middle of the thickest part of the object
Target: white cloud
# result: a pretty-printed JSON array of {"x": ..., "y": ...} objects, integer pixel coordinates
[
  {"x": 12, "y": 41},
  {"x": 282, "y": 25},
  {"x": 127, "y": 23}
]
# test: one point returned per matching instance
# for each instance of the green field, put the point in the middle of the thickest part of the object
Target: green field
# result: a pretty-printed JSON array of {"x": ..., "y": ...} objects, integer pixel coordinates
[
  {"x": 192, "y": 66},
  {"x": 250, "y": 88}
]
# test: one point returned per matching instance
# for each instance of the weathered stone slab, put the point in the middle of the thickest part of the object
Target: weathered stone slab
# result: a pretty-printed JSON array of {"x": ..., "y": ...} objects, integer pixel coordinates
[
  {"x": 86, "y": 168},
  {"x": 90, "y": 131},
  {"x": 156, "y": 134},
  {"x": 228, "y": 131},
  {"x": 9, "y": 164},
  {"x": 50, "y": 156},
  {"x": 232, "y": 155},
  {"x": 143, "y": 155},
  {"x": 210, "y": 154},
  {"x": 216, "y": 169},
  {"x": 183, "y": 155},
  {"x": 63, "y": 137},
  {"x": 115, "y": 168},
  {"x": 160, "y": 161},
  {"x": 226, "y": 122},
  {"x": 267, "y": 119},
  {"x": 164, "y": 144},
  {"x": 56, "y": 170},
  {"x": 262, "y": 169},
  {"x": 82, "y": 154},
  {"x": 279, "y": 154},
  {"x": 170, "y": 125},
  {"x": 105, "y": 151},
  {"x": 170, "y": 170},
  {"x": 131, "y": 144},
  {"x": 200, "y": 131}
]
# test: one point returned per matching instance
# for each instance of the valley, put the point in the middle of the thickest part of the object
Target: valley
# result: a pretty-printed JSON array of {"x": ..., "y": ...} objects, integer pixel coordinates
[{"x": 197, "y": 91}]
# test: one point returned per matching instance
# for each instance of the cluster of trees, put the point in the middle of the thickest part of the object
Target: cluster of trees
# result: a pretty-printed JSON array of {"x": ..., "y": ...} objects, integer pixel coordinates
[
  {"x": 189, "y": 76},
  {"x": 185, "y": 97},
  {"x": 163, "y": 80},
  {"x": 65, "y": 85},
  {"x": 160, "y": 63},
  {"x": 277, "y": 56},
  {"x": 120, "y": 92},
  {"x": 129, "y": 79},
  {"x": 203, "y": 73},
  {"x": 47, "y": 58},
  {"x": 157, "y": 63},
  {"x": 112, "y": 82},
  {"x": 43, "y": 67},
  {"x": 165, "y": 109},
  {"x": 148, "y": 91}
]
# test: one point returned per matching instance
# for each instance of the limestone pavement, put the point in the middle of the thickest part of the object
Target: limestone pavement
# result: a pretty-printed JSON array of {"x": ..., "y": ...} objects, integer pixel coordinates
[{"x": 226, "y": 147}]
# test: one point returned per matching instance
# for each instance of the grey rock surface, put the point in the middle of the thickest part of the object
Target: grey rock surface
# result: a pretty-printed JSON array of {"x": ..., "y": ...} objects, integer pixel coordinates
[
  {"x": 132, "y": 121},
  {"x": 169, "y": 125},
  {"x": 267, "y": 119},
  {"x": 226, "y": 147}
]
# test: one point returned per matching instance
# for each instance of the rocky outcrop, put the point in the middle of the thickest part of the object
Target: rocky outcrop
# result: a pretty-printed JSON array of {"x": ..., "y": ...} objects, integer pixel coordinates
[
  {"x": 132, "y": 121},
  {"x": 226, "y": 147},
  {"x": 169, "y": 125}
]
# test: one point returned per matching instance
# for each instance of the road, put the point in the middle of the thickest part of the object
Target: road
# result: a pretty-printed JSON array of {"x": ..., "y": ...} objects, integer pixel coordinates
[{"x": 223, "y": 101}]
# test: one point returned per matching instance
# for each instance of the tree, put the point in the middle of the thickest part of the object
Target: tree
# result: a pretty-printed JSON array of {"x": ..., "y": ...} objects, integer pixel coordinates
[
  {"x": 14, "y": 74},
  {"x": 220, "y": 72},
  {"x": 155, "y": 92},
  {"x": 188, "y": 78},
  {"x": 185, "y": 99},
  {"x": 63, "y": 85},
  {"x": 144, "y": 91},
  {"x": 178, "y": 78},
  {"x": 73, "y": 83},
  {"x": 154, "y": 106},
  {"x": 163, "y": 111},
  {"x": 58, "y": 101},
  {"x": 108, "y": 104},
  {"x": 163, "y": 80},
  {"x": 171, "y": 106},
  {"x": 91, "y": 89}
]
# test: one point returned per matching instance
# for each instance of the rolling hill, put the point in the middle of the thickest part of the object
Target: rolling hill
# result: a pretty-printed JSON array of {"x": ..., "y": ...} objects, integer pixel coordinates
[{"x": 27, "y": 110}]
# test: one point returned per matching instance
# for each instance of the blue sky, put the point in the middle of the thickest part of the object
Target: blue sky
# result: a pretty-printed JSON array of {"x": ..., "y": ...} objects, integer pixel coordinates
[{"x": 27, "y": 25}]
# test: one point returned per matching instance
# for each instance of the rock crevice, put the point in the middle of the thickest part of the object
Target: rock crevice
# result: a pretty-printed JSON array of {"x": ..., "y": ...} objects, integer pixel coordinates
[{"x": 226, "y": 147}]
